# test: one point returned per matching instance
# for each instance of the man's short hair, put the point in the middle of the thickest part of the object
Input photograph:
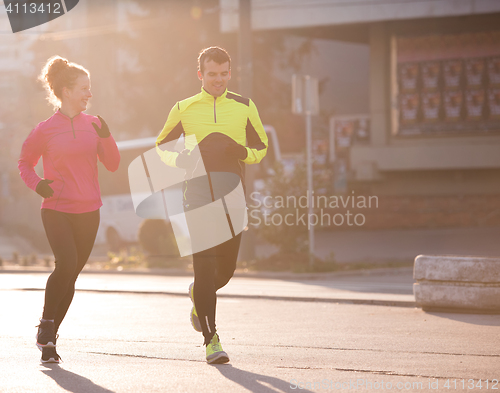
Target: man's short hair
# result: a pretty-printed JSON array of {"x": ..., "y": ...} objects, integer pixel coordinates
[{"x": 219, "y": 55}]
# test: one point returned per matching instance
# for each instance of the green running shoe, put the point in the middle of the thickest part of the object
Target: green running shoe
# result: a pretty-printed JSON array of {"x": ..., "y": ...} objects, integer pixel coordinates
[
  {"x": 195, "y": 321},
  {"x": 215, "y": 354}
]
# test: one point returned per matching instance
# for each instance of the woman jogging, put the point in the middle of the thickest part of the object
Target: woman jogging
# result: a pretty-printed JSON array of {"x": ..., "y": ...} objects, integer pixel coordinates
[{"x": 70, "y": 142}]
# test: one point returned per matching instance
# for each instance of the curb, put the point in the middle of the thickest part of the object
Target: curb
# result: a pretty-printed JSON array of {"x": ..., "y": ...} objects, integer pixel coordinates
[{"x": 390, "y": 303}]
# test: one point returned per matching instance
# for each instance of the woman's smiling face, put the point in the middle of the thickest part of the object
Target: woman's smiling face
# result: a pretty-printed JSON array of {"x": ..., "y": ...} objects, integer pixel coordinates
[{"x": 78, "y": 96}]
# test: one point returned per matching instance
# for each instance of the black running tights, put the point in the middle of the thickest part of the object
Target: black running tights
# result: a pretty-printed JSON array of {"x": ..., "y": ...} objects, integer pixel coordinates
[
  {"x": 71, "y": 238},
  {"x": 213, "y": 268}
]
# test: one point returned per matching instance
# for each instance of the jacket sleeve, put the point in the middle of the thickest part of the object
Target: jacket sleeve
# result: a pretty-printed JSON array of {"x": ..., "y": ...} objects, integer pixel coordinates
[
  {"x": 108, "y": 153},
  {"x": 32, "y": 149},
  {"x": 256, "y": 137},
  {"x": 171, "y": 131}
]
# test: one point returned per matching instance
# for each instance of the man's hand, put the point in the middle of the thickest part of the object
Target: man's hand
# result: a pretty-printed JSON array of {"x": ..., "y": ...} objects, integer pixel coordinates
[
  {"x": 103, "y": 132},
  {"x": 233, "y": 149},
  {"x": 43, "y": 189},
  {"x": 185, "y": 160}
]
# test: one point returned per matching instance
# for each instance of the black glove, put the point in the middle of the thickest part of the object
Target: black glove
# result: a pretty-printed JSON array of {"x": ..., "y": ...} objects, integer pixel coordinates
[
  {"x": 103, "y": 132},
  {"x": 233, "y": 149},
  {"x": 43, "y": 189},
  {"x": 185, "y": 160}
]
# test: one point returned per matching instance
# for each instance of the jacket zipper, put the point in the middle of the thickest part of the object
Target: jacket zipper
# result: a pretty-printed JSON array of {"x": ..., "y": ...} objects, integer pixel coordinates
[
  {"x": 215, "y": 115},
  {"x": 73, "y": 128}
]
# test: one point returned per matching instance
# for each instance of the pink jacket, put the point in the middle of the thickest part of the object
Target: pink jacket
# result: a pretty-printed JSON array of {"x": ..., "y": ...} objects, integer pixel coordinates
[{"x": 69, "y": 148}]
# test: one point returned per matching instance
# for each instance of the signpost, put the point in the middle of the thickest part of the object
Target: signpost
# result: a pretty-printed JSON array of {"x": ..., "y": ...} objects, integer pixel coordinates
[
  {"x": 245, "y": 77},
  {"x": 305, "y": 101}
]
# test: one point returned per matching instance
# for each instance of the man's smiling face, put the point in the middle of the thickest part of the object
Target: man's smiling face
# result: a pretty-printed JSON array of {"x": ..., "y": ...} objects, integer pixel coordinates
[{"x": 215, "y": 77}]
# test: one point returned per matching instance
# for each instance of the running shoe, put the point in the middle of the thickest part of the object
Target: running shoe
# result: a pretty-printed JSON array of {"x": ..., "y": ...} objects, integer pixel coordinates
[
  {"x": 215, "y": 354},
  {"x": 49, "y": 355},
  {"x": 195, "y": 321},
  {"x": 46, "y": 335}
]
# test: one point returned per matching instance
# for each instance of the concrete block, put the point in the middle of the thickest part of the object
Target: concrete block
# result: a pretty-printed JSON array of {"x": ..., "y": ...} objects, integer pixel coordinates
[
  {"x": 454, "y": 283},
  {"x": 443, "y": 296},
  {"x": 456, "y": 268}
]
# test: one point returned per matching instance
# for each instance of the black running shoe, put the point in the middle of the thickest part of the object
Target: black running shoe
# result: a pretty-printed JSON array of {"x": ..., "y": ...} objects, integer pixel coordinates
[
  {"x": 49, "y": 355},
  {"x": 46, "y": 335}
]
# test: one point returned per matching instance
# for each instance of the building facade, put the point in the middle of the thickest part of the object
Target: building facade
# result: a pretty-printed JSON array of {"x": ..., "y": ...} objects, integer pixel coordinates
[{"x": 432, "y": 150}]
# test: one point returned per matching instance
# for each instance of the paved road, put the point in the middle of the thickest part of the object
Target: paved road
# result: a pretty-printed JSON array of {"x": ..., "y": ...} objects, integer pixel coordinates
[
  {"x": 144, "y": 343},
  {"x": 128, "y": 341}
]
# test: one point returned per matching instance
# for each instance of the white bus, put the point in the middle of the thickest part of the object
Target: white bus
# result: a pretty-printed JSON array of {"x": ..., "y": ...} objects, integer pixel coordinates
[{"x": 119, "y": 223}]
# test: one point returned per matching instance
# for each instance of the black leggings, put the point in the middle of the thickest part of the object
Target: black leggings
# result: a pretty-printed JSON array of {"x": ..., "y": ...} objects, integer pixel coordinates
[
  {"x": 71, "y": 237},
  {"x": 213, "y": 268}
]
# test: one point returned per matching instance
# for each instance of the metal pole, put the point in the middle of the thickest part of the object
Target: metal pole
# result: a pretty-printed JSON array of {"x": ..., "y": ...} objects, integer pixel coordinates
[
  {"x": 245, "y": 48},
  {"x": 309, "y": 187},
  {"x": 245, "y": 82}
]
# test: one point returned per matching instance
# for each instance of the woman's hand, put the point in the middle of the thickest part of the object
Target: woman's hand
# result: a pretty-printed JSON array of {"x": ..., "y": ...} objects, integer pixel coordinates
[
  {"x": 43, "y": 189},
  {"x": 103, "y": 132}
]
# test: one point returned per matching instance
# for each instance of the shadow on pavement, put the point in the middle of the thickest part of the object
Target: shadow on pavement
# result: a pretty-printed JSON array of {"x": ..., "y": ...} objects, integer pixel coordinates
[
  {"x": 397, "y": 282},
  {"x": 72, "y": 382},
  {"x": 255, "y": 382},
  {"x": 477, "y": 318}
]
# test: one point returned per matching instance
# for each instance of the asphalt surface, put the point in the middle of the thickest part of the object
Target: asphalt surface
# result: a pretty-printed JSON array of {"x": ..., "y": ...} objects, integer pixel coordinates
[{"x": 131, "y": 333}]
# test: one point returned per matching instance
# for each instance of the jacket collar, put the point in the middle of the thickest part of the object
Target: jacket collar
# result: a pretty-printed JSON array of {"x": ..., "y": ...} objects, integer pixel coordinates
[
  {"x": 67, "y": 117},
  {"x": 206, "y": 94}
]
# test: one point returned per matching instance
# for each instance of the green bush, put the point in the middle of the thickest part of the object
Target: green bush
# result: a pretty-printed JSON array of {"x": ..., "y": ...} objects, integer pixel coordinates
[
  {"x": 157, "y": 238},
  {"x": 289, "y": 238}
]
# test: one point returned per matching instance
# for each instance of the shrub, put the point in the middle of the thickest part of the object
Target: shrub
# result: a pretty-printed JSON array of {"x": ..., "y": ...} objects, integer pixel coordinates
[
  {"x": 156, "y": 237},
  {"x": 289, "y": 238}
]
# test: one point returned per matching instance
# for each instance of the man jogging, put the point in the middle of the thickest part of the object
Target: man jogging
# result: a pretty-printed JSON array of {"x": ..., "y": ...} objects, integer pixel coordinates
[{"x": 229, "y": 133}]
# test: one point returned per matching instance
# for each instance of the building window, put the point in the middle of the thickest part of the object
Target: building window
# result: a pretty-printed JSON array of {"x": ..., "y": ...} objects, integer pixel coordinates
[{"x": 446, "y": 84}]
